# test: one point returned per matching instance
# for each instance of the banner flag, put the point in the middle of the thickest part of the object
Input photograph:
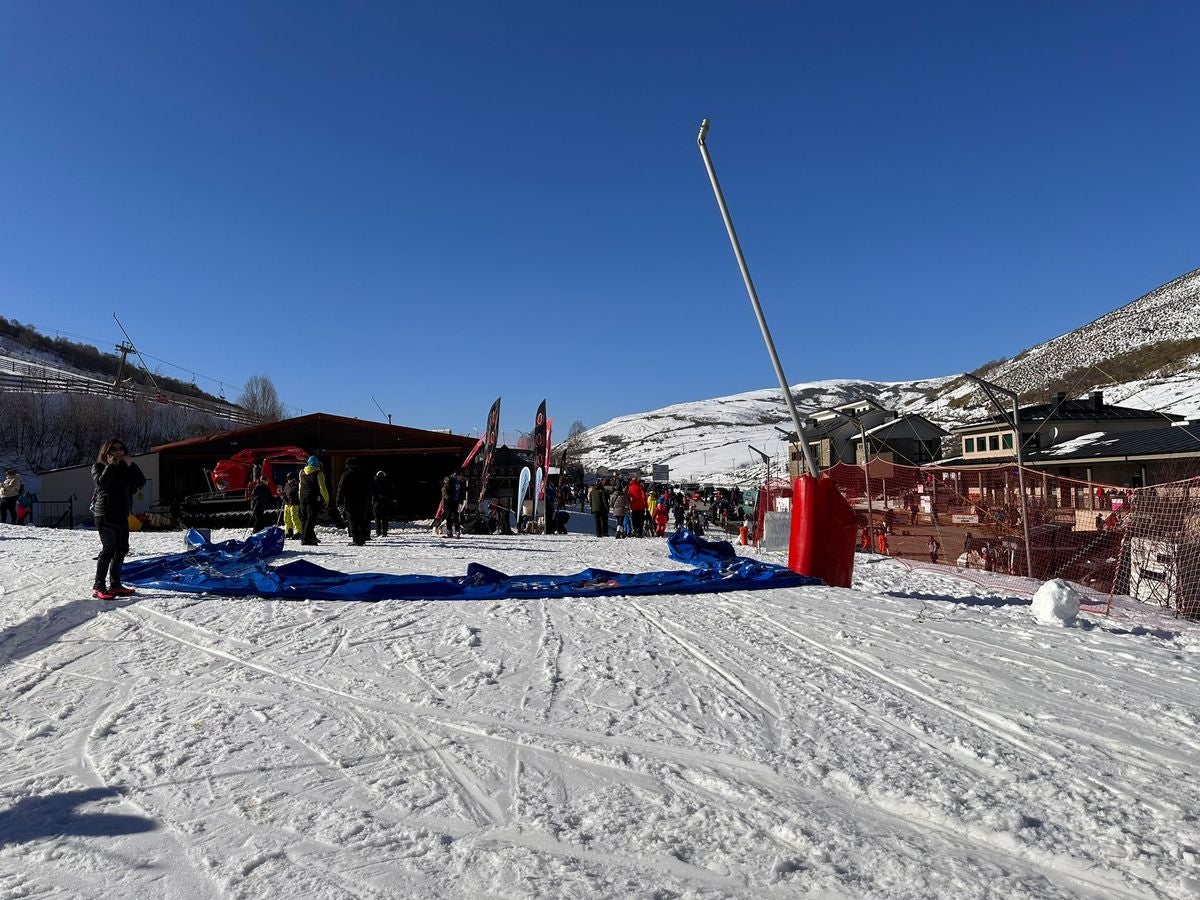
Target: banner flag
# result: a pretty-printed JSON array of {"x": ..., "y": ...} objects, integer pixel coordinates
[
  {"x": 489, "y": 447},
  {"x": 539, "y": 439},
  {"x": 545, "y": 462}
]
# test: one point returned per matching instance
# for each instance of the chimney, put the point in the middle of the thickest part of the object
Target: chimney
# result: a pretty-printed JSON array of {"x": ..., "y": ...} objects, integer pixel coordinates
[{"x": 1097, "y": 399}]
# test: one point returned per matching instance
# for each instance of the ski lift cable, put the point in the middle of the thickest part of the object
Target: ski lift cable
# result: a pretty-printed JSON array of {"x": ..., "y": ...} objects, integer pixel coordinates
[
  {"x": 145, "y": 367},
  {"x": 100, "y": 341}
]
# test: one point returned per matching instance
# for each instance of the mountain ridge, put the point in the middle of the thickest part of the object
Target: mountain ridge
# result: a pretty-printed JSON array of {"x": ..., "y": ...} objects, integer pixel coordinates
[{"x": 1152, "y": 342}]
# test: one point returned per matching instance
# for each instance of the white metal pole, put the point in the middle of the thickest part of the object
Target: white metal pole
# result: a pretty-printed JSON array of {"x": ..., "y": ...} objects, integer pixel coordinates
[
  {"x": 867, "y": 477},
  {"x": 809, "y": 462},
  {"x": 1021, "y": 485},
  {"x": 988, "y": 387}
]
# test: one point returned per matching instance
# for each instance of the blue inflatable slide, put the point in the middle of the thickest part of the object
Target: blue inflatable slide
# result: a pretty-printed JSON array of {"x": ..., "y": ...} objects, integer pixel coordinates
[{"x": 240, "y": 569}]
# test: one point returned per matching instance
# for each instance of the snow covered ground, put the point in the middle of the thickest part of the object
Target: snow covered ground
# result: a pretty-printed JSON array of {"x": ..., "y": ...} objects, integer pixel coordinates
[{"x": 913, "y": 737}]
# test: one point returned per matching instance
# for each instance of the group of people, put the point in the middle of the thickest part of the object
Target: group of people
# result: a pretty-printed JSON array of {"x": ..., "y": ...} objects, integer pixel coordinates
[
  {"x": 363, "y": 500},
  {"x": 638, "y": 512}
]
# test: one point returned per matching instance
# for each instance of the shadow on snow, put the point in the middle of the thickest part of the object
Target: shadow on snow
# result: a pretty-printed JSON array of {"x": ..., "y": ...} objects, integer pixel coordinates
[
  {"x": 28, "y": 637},
  {"x": 55, "y": 815}
]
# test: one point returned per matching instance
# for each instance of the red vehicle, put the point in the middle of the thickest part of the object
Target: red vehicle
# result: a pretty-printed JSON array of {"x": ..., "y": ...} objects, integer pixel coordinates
[{"x": 227, "y": 505}]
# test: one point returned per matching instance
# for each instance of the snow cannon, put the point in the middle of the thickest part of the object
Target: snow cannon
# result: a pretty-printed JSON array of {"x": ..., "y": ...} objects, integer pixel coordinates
[{"x": 823, "y": 531}]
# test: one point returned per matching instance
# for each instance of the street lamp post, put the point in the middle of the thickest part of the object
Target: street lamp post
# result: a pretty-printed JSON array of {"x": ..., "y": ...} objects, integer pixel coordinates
[
  {"x": 1014, "y": 422},
  {"x": 767, "y": 460},
  {"x": 809, "y": 462},
  {"x": 862, "y": 431}
]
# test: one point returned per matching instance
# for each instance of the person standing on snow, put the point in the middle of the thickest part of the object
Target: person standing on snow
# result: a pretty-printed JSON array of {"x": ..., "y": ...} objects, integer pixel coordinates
[
  {"x": 619, "y": 502},
  {"x": 260, "y": 496},
  {"x": 637, "y": 506},
  {"x": 451, "y": 497},
  {"x": 10, "y": 490},
  {"x": 291, "y": 507},
  {"x": 355, "y": 489},
  {"x": 660, "y": 516},
  {"x": 934, "y": 548},
  {"x": 314, "y": 496},
  {"x": 381, "y": 501},
  {"x": 599, "y": 502},
  {"x": 116, "y": 480}
]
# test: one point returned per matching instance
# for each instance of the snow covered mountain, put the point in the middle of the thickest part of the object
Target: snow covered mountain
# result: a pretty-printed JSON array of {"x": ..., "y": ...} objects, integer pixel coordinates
[{"x": 1145, "y": 354}]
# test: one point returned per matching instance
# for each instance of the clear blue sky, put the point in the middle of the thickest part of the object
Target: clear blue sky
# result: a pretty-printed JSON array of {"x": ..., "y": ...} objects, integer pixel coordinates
[{"x": 435, "y": 204}]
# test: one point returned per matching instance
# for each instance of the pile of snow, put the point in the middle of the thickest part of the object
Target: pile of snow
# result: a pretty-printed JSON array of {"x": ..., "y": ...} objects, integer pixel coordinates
[
  {"x": 915, "y": 737},
  {"x": 1056, "y": 603}
]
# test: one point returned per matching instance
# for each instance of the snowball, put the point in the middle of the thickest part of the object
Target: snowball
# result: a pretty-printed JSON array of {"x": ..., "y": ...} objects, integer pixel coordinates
[{"x": 1056, "y": 603}]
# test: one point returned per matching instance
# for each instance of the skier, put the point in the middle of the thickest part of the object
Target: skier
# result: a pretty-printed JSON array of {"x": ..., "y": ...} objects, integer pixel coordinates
[
  {"x": 382, "y": 502},
  {"x": 354, "y": 491},
  {"x": 314, "y": 496},
  {"x": 116, "y": 480}
]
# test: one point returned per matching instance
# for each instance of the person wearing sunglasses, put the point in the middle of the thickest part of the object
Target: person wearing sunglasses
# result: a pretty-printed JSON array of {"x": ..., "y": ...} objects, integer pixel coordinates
[{"x": 117, "y": 480}]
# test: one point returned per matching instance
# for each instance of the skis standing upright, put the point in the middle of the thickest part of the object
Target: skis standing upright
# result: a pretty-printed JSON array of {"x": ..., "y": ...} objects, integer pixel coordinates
[
  {"x": 522, "y": 490},
  {"x": 537, "y": 492}
]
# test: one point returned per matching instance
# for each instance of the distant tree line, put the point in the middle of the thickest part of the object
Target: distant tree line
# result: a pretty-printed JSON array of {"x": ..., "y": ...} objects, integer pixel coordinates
[
  {"x": 88, "y": 359},
  {"x": 50, "y": 431}
]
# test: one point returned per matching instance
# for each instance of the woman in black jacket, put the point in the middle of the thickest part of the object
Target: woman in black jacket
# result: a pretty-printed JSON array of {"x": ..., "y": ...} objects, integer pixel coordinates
[{"x": 117, "y": 480}]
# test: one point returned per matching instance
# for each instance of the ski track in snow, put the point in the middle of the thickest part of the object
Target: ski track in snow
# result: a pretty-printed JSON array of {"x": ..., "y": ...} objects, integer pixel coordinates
[{"x": 800, "y": 742}]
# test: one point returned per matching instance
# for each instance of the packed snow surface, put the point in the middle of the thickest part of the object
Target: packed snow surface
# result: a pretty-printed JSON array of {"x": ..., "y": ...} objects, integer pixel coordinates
[{"x": 916, "y": 736}]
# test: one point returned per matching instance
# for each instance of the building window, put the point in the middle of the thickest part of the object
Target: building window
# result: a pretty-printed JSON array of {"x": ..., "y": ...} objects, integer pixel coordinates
[
  {"x": 969, "y": 445},
  {"x": 993, "y": 442},
  {"x": 1006, "y": 441}
]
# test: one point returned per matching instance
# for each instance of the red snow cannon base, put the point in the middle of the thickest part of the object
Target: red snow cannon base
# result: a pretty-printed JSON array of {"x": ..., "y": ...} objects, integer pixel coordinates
[{"x": 823, "y": 532}]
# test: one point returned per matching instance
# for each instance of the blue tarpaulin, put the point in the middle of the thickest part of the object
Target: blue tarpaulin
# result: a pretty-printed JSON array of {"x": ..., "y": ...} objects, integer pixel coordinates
[{"x": 240, "y": 569}]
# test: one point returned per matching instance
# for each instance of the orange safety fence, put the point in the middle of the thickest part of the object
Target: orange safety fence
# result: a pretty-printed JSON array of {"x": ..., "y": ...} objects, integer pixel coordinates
[{"x": 1106, "y": 539}]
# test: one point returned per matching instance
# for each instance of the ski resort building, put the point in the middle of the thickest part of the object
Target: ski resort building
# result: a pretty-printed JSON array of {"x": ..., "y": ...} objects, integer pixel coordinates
[
  {"x": 1087, "y": 440},
  {"x": 415, "y": 459},
  {"x": 863, "y": 429}
]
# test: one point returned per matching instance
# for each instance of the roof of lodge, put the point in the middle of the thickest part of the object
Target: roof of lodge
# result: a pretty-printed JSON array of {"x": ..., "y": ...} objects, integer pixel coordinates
[
  {"x": 1074, "y": 411},
  {"x": 323, "y": 431},
  {"x": 1101, "y": 446}
]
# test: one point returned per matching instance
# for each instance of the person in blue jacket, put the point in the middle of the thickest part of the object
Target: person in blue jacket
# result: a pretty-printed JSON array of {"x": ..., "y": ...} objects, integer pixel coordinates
[{"x": 117, "y": 480}]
